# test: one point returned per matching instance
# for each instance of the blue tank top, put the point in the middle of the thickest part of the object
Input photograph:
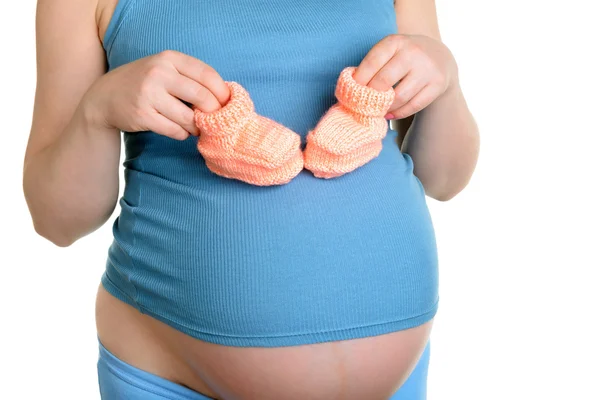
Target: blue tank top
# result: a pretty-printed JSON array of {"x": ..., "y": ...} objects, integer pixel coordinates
[{"x": 310, "y": 261}]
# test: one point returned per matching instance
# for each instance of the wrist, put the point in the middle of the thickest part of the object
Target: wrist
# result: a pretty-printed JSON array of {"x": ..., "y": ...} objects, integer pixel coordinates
[
  {"x": 91, "y": 112},
  {"x": 452, "y": 93},
  {"x": 453, "y": 87}
]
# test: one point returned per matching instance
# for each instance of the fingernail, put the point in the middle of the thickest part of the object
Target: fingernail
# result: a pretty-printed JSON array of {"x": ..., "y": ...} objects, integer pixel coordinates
[{"x": 389, "y": 116}]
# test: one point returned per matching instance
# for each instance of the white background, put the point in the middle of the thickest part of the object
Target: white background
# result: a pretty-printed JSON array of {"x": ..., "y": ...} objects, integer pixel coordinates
[{"x": 519, "y": 258}]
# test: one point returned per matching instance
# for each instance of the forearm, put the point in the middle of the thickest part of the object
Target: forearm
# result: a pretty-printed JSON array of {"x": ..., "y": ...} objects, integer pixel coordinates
[
  {"x": 71, "y": 186},
  {"x": 443, "y": 141}
]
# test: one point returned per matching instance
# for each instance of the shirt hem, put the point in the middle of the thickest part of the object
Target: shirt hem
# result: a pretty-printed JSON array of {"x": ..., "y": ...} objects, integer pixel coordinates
[{"x": 283, "y": 340}]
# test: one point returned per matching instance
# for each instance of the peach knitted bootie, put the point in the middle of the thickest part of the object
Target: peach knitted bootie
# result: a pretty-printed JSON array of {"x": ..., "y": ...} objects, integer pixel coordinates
[
  {"x": 350, "y": 133},
  {"x": 238, "y": 143}
]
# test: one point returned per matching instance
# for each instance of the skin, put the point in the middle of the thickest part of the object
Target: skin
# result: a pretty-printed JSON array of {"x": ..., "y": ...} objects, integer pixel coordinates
[{"x": 71, "y": 184}]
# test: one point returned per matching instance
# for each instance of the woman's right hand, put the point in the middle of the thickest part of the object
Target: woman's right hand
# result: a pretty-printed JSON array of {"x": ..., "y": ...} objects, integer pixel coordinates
[{"x": 146, "y": 94}]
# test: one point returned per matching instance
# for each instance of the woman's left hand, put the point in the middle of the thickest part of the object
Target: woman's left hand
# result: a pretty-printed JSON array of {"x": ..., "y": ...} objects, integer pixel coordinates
[{"x": 424, "y": 66}]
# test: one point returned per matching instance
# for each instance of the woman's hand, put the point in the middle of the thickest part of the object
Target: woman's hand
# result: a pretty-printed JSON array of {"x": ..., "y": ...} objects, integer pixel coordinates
[
  {"x": 425, "y": 68},
  {"x": 146, "y": 95}
]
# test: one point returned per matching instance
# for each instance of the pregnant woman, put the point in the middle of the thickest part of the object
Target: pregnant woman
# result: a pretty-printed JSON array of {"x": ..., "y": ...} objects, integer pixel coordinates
[{"x": 273, "y": 240}]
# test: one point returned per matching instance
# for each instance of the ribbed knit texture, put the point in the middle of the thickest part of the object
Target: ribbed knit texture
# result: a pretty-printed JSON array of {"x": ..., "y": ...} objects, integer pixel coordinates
[
  {"x": 238, "y": 264},
  {"x": 350, "y": 133},
  {"x": 237, "y": 143}
]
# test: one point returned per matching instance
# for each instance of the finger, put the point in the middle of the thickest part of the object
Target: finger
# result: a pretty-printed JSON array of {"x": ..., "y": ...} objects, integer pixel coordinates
[
  {"x": 178, "y": 112},
  {"x": 164, "y": 126},
  {"x": 408, "y": 88},
  {"x": 204, "y": 74},
  {"x": 421, "y": 100},
  {"x": 390, "y": 74},
  {"x": 375, "y": 59},
  {"x": 193, "y": 93}
]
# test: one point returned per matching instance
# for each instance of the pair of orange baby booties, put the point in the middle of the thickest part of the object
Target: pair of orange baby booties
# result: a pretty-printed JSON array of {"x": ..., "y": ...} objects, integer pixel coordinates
[{"x": 238, "y": 143}]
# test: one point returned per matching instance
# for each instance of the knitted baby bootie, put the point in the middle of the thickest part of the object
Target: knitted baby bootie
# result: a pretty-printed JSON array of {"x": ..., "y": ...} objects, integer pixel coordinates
[
  {"x": 350, "y": 133},
  {"x": 238, "y": 143}
]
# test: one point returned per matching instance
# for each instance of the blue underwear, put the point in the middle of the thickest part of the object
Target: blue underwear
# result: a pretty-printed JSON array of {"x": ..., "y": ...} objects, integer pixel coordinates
[{"x": 121, "y": 381}]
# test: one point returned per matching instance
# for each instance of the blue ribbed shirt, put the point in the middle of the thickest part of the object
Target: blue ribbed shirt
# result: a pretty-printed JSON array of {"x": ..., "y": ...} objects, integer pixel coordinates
[{"x": 310, "y": 261}]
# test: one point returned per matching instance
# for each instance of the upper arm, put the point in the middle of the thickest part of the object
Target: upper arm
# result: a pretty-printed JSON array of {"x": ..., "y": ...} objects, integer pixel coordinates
[
  {"x": 69, "y": 58},
  {"x": 414, "y": 17},
  {"x": 417, "y": 17}
]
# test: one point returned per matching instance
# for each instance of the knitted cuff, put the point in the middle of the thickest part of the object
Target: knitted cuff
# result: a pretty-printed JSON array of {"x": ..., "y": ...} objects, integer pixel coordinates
[
  {"x": 230, "y": 118},
  {"x": 362, "y": 99}
]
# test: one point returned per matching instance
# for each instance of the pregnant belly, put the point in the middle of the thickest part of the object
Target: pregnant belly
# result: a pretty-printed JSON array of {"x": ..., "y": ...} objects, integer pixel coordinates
[{"x": 367, "y": 368}]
